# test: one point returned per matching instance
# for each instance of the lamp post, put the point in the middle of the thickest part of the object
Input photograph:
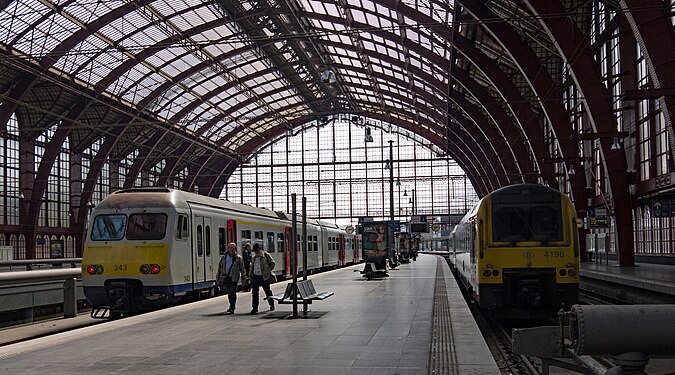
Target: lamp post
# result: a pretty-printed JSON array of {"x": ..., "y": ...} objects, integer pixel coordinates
[{"x": 392, "y": 258}]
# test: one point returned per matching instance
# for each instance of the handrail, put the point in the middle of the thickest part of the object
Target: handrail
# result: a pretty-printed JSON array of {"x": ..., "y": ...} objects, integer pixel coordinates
[
  {"x": 29, "y": 262},
  {"x": 56, "y": 274}
]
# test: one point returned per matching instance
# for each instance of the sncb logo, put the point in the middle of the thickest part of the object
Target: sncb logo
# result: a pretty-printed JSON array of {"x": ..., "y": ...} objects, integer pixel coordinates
[{"x": 528, "y": 254}]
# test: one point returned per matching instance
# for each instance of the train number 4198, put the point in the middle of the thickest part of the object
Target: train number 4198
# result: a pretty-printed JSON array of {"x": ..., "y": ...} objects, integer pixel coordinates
[{"x": 554, "y": 254}]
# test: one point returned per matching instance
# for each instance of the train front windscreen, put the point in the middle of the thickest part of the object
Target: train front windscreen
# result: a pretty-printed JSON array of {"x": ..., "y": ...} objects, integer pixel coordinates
[{"x": 527, "y": 214}]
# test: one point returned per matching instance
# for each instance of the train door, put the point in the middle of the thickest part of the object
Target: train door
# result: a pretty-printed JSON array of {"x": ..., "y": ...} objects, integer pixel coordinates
[
  {"x": 202, "y": 266},
  {"x": 288, "y": 236},
  {"x": 342, "y": 245},
  {"x": 231, "y": 231}
]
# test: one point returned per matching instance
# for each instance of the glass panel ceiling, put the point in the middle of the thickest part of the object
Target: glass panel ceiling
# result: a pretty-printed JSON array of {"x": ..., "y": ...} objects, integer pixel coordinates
[{"x": 200, "y": 59}]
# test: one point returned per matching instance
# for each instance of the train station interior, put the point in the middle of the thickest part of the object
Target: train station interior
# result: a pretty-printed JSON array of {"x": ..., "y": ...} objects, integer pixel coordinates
[
  {"x": 342, "y": 103},
  {"x": 353, "y": 111}
]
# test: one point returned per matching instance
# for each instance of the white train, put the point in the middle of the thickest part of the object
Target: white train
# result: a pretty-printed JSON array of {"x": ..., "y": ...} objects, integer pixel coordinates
[{"x": 147, "y": 247}]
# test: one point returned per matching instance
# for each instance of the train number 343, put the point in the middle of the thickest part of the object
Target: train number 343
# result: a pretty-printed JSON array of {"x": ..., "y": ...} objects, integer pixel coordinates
[
  {"x": 120, "y": 267},
  {"x": 554, "y": 254}
]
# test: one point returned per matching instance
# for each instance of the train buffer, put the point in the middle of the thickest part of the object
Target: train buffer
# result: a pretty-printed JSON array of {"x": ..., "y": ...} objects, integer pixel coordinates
[{"x": 305, "y": 293}]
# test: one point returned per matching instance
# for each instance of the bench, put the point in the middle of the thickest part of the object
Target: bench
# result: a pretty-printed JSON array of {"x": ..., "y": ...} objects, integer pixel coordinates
[{"x": 305, "y": 294}]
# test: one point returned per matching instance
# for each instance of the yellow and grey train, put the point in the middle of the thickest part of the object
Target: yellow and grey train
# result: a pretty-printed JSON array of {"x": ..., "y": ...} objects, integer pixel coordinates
[
  {"x": 516, "y": 252},
  {"x": 147, "y": 247}
]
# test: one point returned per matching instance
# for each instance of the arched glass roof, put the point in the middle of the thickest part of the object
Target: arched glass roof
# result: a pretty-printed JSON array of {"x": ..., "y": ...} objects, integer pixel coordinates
[{"x": 229, "y": 73}]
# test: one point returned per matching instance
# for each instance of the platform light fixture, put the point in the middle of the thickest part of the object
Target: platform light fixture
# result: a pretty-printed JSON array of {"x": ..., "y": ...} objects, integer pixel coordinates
[
  {"x": 615, "y": 144},
  {"x": 369, "y": 136},
  {"x": 571, "y": 170},
  {"x": 387, "y": 164}
]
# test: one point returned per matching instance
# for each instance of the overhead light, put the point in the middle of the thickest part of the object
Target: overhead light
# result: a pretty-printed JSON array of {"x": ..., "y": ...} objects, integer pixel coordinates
[
  {"x": 615, "y": 144},
  {"x": 410, "y": 201},
  {"x": 571, "y": 170},
  {"x": 405, "y": 193},
  {"x": 369, "y": 137},
  {"x": 398, "y": 183},
  {"x": 328, "y": 77},
  {"x": 387, "y": 165}
]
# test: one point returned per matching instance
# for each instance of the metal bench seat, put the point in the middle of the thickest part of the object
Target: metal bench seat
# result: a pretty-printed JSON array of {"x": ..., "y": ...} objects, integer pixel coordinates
[{"x": 305, "y": 294}]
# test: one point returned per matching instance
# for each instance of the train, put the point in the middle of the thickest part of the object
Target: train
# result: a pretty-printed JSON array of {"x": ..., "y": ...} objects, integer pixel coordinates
[
  {"x": 149, "y": 247},
  {"x": 516, "y": 252}
]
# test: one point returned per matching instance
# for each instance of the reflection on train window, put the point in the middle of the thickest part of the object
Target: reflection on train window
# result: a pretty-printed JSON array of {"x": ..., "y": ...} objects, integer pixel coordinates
[
  {"x": 270, "y": 242},
  {"x": 182, "y": 227},
  {"x": 535, "y": 223},
  {"x": 281, "y": 242},
  {"x": 146, "y": 226},
  {"x": 221, "y": 241},
  {"x": 200, "y": 242},
  {"x": 207, "y": 238},
  {"x": 108, "y": 227},
  {"x": 246, "y": 234}
]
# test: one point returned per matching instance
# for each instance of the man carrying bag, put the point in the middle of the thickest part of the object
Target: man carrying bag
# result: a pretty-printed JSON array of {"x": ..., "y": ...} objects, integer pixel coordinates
[{"x": 230, "y": 271}]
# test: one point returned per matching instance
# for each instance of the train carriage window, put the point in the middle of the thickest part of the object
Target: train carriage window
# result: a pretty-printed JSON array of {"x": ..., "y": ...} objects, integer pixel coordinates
[
  {"x": 281, "y": 243},
  {"x": 200, "y": 242},
  {"x": 182, "y": 227},
  {"x": 246, "y": 234},
  {"x": 146, "y": 226},
  {"x": 316, "y": 243},
  {"x": 108, "y": 227},
  {"x": 270, "y": 242},
  {"x": 221, "y": 241},
  {"x": 207, "y": 235},
  {"x": 258, "y": 235}
]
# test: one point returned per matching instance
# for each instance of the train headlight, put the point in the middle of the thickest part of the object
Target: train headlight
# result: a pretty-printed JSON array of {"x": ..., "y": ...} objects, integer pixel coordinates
[
  {"x": 486, "y": 273},
  {"x": 495, "y": 273},
  {"x": 94, "y": 269},
  {"x": 152, "y": 269},
  {"x": 572, "y": 272},
  {"x": 562, "y": 272}
]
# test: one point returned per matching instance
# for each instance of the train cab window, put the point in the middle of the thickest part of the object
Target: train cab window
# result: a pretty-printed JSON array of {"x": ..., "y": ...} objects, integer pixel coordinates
[
  {"x": 200, "y": 241},
  {"x": 108, "y": 227},
  {"x": 246, "y": 234},
  {"x": 146, "y": 226},
  {"x": 221, "y": 241},
  {"x": 182, "y": 227},
  {"x": 270, "y": 242},
  {"x": 316, "y": 243},
  {"x": 207, "y": 238},
  {"x": 281, "y": 243},
  {"x": 258, "y": 235}
]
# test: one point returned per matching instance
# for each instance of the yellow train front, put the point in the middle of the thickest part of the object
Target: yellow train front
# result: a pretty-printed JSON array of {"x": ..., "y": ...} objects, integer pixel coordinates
[{"x": 517, "y": 252}]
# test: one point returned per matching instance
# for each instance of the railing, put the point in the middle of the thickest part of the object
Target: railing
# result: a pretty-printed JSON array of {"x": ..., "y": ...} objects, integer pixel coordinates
[
  {"x": 68, "y": 275},
  {"x": 31, "y": 263}
]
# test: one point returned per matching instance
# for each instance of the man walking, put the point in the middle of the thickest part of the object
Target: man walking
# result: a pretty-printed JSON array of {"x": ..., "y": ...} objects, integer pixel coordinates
[{"x": 230, "y": 271}]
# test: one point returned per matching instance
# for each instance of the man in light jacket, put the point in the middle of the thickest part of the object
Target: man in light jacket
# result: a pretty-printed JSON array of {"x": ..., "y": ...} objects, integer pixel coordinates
[
  {"x": 260, "y": 272},
  {"x": 230, "y": 271}
]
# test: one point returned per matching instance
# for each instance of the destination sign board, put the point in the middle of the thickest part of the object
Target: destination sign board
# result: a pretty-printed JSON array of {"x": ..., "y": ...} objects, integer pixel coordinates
[{"x": 663, "y": 208}]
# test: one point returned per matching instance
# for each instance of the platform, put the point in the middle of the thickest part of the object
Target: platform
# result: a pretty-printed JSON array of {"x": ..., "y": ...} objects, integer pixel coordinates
[
  {"x": 657, "y": 278},
  {"x": 413, "y": 322}
]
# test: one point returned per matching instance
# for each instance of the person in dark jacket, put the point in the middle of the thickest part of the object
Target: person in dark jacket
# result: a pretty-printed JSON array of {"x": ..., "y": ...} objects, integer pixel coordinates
[
  {"x": 246, "y": 254},
  {"x": 230, "y": 272}
]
